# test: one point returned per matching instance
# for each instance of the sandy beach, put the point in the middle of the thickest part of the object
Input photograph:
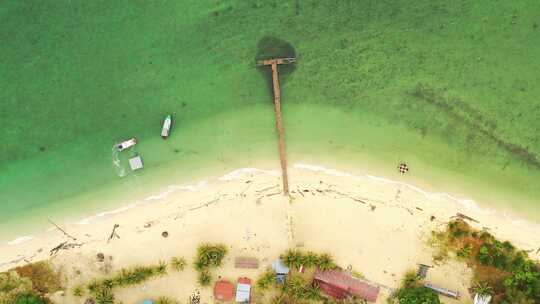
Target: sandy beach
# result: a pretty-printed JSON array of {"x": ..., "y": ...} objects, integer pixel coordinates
[{"x": 377, "y": 226}]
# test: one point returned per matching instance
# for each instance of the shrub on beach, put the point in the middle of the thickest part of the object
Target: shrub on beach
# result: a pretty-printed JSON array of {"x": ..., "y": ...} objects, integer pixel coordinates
[
  {"x": 205, "y": 278},
  {"x": 103, "y": 288},
  {"x": 12, "y": 285},
  {"x": 208, "y": 256},
  {"x": 178, "y": 263},
  {"x": 166, "y": 300},
  {"x": 29, "y": 299},
  {"x": 266, "y": 279},
  {"x": 104, "y": 295},
  {"x": 509, "y": 274},
  {"x": 44, "y": 279}
]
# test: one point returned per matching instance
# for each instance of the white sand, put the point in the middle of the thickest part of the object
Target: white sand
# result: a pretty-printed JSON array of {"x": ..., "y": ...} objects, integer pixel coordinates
[{"x": 377, "y": 226}]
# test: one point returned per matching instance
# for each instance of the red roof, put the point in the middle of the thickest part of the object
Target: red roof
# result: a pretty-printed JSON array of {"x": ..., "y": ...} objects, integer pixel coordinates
[
  {"x": 337, "y": 283},
  {"x": 244, "y": 281},
  {"x": 223, "y": 290}
]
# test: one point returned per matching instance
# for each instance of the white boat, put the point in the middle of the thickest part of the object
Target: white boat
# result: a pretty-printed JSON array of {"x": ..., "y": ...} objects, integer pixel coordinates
[
  {"x": 166, "y": 127},
  {"x": 126, "y": 144}
]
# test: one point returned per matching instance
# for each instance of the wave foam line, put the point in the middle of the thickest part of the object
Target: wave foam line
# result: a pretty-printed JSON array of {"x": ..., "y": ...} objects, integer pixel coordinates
[
  {"x": 465, "y": 202},
  {"x": 238, "y": 173},
  {"x": 20, "y": 240}
]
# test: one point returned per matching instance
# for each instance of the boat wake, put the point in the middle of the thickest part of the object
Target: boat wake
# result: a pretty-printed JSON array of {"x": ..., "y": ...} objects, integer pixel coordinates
[{"x": 120, "y": 170}]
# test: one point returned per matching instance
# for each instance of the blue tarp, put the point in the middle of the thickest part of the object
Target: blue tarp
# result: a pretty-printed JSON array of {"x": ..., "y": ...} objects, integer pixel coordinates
[{"x": 146, "y": 302}]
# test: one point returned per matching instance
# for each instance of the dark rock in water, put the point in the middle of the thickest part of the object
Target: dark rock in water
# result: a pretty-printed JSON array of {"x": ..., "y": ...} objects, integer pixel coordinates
[
  {"x": 164, "y": 234},
  {"x": 100, "y": 257}
]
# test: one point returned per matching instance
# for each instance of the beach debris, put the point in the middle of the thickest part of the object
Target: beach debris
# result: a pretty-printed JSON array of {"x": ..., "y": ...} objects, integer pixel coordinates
[
  {"x": 403, "y": 168},
  {"x": 62, "y": 230},
  {"x": 465, "y": 217},
  {"x": 166, "y": 129},
  {"x": 64, "y": 245},
  {"x": 195, "y": 297},
  {"x": 164, "y": 234},
  {"x": 90, "y": 301},
  {"x": 135, "y": 163},
  {"x": 100, "y": 257},
  {"x": 432, "y": 218},
  {"x": 113, "y": 233}
]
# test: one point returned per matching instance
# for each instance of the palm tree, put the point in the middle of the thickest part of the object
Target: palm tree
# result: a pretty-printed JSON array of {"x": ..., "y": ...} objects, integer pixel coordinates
[
  {"x": 483, "y": 289},
  {"x": 325, "y": 262}
]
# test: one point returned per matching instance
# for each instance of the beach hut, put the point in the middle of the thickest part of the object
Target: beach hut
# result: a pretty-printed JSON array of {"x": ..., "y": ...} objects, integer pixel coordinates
[
  {"x": 246, "y": 262},
  {"x": 243, "y": 290},
  {"x": 443, "y": 291},
  {"x": 281, "y": 270},
  {"x": 339, "y": 284},
  {"x": 223, "y": 291},
  {"x": 135, "y": 163},
  {"x": 482, "y": 299}
]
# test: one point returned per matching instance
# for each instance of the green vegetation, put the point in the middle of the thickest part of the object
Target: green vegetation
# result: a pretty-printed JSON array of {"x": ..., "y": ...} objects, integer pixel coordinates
[
  {"x": 102, "y": 289},
  {"x": 28, "y": 284},
  {"x": 204, "y": 278},
  {"x": 266, "y": 279},
  {"x": 298, "y": 287},
  {"x": 413, "y": 292},
  {"x": 296, "y": 258},
  {"x": 178, "y": 263},
  {"x": 12, "y": 285},
  {"x": 208, "y": 256},
  {"x": 499, "y": 268},
  {"x": 29, "y": 299},
  {"x": 78, "y": 291},
  {"x": 166, "y": 300},
  {"x": 103, "y": 295}
]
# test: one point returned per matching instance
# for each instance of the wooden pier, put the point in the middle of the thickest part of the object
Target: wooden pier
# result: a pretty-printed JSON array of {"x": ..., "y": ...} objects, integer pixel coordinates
[{"x": 279, "y": 124}]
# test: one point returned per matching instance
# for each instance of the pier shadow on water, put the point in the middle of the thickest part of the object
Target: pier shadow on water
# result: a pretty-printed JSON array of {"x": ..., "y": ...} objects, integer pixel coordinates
[{"x": 271, "y": 47}]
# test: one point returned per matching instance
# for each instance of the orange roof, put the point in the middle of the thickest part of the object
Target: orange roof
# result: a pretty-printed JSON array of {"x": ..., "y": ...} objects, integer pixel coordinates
[
  {"x": 224, "y": 290},
  {"x": 244, "y": 281}
]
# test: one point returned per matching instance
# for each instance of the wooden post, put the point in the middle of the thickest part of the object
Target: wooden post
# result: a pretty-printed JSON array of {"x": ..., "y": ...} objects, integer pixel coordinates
[{"x": 279, "y": 124}]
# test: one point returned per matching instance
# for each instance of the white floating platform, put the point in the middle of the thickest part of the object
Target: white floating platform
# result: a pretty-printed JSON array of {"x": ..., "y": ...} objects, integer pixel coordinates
[{"x": 135, "y": 163}]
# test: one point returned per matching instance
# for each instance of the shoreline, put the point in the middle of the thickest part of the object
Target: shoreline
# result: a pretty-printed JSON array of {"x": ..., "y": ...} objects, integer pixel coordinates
[{"x": 170, "y": 190}]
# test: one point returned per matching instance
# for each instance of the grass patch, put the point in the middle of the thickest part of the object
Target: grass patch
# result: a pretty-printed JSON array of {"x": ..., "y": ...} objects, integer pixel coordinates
[{"x": 499, "y": 268}]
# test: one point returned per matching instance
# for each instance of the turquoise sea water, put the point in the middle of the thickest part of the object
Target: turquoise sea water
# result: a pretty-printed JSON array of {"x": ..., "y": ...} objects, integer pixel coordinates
[{"x": 450, "y": 88}]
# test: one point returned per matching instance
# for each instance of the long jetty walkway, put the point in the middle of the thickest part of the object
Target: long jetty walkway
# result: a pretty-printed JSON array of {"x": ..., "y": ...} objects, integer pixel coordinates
[{"x": 279, "y": 124}]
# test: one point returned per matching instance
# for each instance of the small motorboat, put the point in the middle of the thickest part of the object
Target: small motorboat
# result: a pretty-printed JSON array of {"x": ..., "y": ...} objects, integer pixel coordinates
[
  {"x": 166, "y": 127},
  {"x": 126, "y": 144}
]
